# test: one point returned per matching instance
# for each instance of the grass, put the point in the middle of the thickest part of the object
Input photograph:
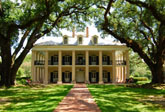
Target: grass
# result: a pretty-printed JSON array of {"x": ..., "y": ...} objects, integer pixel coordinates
[
  {"x": 113, "y": 98},
  {"x": 35, "y": 99}
]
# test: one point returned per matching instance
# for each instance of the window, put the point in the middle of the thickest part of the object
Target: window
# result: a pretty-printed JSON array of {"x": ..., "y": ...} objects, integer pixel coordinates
[
  {"x": 105, "y": 74},
  {"x": 65, "y": 40},
  {"x": 105, "y": 58},
  {"x": 55, "y": 74},
  {"x": 80, "y": 40},
  {"x": 67, "y": 58},
  {"x": 93, "y": 58},
  {"x": 94, "y": 40},
  {"x": 56, "y": 58},
  {"x": 67, "y": 74},
  {"x": 93, "y": 74}
]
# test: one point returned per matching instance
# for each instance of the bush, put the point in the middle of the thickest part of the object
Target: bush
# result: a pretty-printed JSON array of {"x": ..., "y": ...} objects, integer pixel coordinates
[
  {"x": 140, "y": 78},
  {"x": 23, "y": 80}
]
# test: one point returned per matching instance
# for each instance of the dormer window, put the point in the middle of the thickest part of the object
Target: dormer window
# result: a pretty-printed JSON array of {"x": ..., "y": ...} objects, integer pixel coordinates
[
  {"x": 65, "y": 40},
  {"x": 80, "y": 40},
  {"x": 95, "y": 39}
]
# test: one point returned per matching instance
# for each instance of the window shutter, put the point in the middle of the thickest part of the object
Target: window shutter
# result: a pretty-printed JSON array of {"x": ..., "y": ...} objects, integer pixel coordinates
[
  {"x": 63, "y": 59},
  {"x": 97, "y": 76},
  {"x": 70, "y": 60},
  {"x": 51, "y": 77},
  {"x": 109, "y": 77},
  {"x": 90, "y": 60},
  {"x": 70, "y": 76},
  {"x": 89, "y": 76},
  {"x": 63, "y": 77},
  {"x": 108, "y": 60},
  {"x": 51, "y": 60},
  {"x": 97, "y": 60}
]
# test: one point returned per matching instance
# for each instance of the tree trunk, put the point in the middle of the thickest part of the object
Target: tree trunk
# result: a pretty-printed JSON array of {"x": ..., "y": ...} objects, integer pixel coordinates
[
  {"x": 6, "y": 63},
  {"x": 157, "y": 73}
]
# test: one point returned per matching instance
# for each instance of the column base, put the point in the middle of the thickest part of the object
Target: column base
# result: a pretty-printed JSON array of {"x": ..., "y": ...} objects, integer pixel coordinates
[
  {"x": 73, "y": 82},
  {"x": 45, "y": 82},
  {"x": 87, "y": 82},
  {"x": 59, "y": 82},
  {"x": 101, "y": 82}
]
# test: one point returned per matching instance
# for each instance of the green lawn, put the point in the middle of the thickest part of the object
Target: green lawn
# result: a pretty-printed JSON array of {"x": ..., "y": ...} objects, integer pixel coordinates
[
  {"x": 35, "y": 99},
  {"x": 111, "y": 98}
]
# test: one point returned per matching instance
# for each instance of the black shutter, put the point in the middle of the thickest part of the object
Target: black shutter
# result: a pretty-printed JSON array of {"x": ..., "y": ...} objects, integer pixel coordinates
[
  {"x": 108, "y": 60},
  {"x": 63, "y": 77},
  {"x": 97, "y": 77},
  {"x": 97, "y": 60},
  {"x": 70, "y": 60},
  {"x": 63, "y": 59},
  {"x": 51, "y": 61},
  {"x": 90, "y": 60},
  {"x": 70, "y": 76},
  {"x": 51, "y": 77},
  {"x": 89, "y": 76},
  {"x": 109, "y": 79}
]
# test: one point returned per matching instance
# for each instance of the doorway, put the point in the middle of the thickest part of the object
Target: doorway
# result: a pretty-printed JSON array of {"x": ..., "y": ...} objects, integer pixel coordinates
[{"x": 80, "y": 76}]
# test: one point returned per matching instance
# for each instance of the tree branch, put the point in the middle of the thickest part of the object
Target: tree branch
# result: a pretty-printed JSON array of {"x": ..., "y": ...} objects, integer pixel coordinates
[
  {"x": 129, "y": 42},
  {"x": 20, "y": 43}
]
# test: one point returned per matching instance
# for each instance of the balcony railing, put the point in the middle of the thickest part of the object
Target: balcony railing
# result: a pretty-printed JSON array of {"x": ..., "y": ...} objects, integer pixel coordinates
[
  {"x": 67, "y": 63},
  {"x": 107, "y": 62},
  {"x": 120, "y": 62},
  {"x": 80, "y": 62},
  {"x": 93, "y": 63},
  {"x": 50, "y": 62},
  {"x": 39, "y": 62}
]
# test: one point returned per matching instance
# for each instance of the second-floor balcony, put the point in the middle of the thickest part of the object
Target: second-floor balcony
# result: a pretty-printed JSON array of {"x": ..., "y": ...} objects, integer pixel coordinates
[
  {"x": 107, "y": 62},
  {"x": 120, "y": 62},
  {"x": 80, "y": 62},
  {"x": 51, "y": 62},
  {"x": 39, "y": 62}
]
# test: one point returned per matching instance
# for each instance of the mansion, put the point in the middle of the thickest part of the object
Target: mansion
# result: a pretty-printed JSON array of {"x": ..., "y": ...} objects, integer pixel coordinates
[{"x": 80, "y": 58}]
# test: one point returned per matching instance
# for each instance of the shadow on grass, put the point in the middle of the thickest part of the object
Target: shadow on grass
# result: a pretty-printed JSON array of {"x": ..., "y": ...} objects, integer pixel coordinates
[
  {"x": 25, "y": 99},
  {"x": 111, "y": 98}
]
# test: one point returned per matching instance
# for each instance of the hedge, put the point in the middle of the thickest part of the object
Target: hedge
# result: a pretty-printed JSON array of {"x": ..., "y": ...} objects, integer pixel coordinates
[{"x": 141, "y": 78}]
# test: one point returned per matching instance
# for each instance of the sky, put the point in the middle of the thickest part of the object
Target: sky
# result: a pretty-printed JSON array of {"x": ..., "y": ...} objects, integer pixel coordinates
[{"x": 92, "y": 31}]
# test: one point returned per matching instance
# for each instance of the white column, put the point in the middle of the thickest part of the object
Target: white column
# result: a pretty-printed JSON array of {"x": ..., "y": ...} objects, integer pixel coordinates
[
  {"x": 100, "y": 68},
  {"x": 46, "y": 79},
  {"x": 114, "y": 66},
  {"x": 60, "y": 67},
  {"x": 127, "y": 64},
  {"x": 87, "y": 67},
  {"x": 73, "y": 67},
  {"x": 33, "y": 66}
]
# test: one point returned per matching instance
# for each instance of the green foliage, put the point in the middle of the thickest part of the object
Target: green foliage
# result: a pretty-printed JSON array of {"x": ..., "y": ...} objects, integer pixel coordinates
[
  {"x": 25, "y": 69},
  {"x": 141, "y": 78},
  {"x": 113, "y": 98},
  {"x": 138, "y": 67},
  {"x": 20, "y": 73}
]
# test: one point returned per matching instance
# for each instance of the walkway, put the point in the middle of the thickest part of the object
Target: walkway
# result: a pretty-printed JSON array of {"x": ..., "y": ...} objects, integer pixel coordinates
[{"x": 78, "y": 99}]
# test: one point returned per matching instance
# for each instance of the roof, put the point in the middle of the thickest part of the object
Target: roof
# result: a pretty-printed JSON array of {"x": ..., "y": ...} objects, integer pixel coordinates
[{"x": 58, "y": 41}]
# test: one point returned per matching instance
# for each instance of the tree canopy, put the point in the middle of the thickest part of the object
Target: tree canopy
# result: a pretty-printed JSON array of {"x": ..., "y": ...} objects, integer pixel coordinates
[
  {"x": 140, "y": 24},
  {"x": 33, "y": 19}
]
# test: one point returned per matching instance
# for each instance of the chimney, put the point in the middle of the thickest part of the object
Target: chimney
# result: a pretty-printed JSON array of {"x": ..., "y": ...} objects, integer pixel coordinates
[
  {"x": 73, "y": 32},
  {"x": 87, "y": 32}
]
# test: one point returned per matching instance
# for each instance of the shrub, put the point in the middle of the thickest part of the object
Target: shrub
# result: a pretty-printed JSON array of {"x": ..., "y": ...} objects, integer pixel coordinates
[{"x": 140, "y": 78}]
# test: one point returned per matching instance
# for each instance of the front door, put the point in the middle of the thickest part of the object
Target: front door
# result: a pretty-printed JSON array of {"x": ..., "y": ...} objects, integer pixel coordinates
[{"x": 80, "y": 77}]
